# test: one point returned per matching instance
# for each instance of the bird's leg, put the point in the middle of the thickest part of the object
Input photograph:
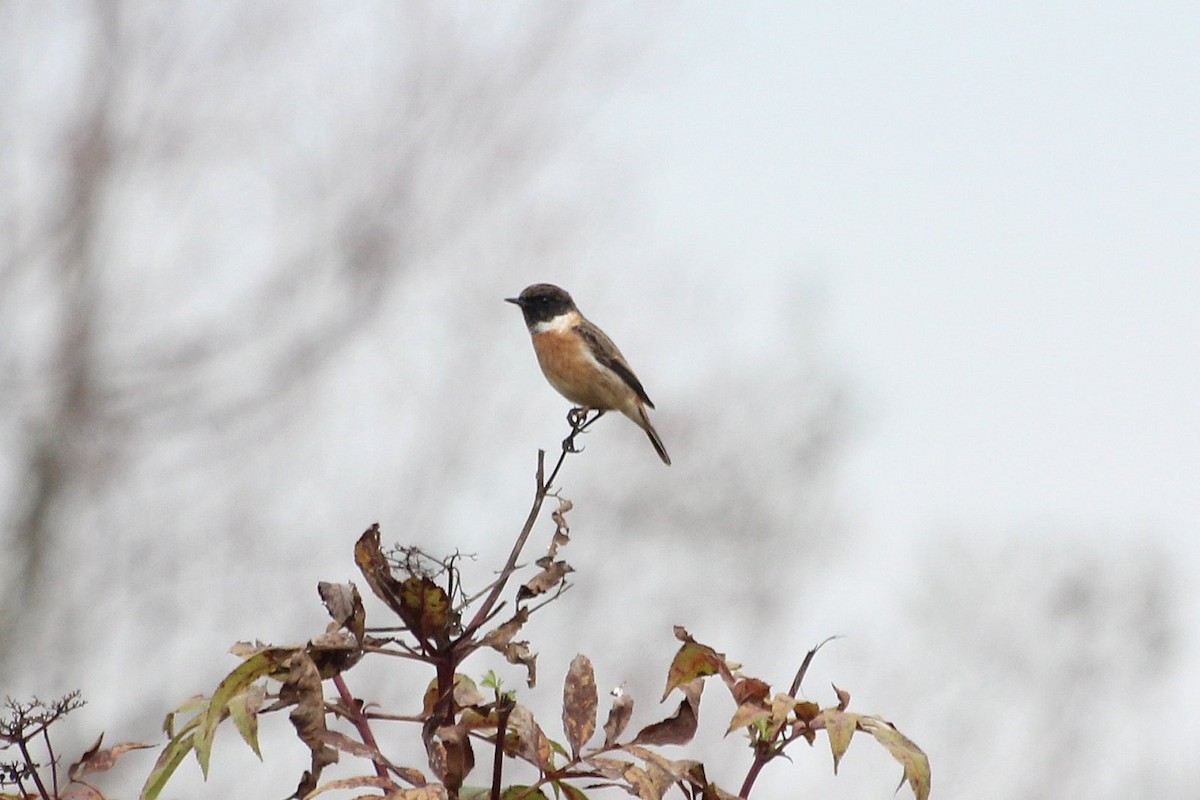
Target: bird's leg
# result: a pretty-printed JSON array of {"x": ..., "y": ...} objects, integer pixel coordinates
[{"x": 577, "y": 419}]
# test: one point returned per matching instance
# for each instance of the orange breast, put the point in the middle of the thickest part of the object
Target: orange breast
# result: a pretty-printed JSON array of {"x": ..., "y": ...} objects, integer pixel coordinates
[{"x": 571, "y": 370}]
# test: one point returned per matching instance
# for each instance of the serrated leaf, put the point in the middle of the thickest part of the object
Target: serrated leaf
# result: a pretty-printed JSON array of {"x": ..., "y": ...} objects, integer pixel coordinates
[
  {"x": 904, "y": 750},
  {"x": 255, "y": 667},
  {"x": 170, "y": 758},
  {"x": 243, "y": 709},
  {"x": 580, "y": 701},
  {"x": 196, "y": 703}
]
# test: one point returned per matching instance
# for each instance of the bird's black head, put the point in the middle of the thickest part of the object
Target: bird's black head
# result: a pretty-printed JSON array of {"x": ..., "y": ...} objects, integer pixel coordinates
[{"x": 542, "y": 302}]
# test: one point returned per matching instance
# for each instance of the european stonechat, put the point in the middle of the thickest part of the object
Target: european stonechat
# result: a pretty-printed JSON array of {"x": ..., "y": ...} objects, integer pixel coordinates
[{"x": 580, "y": 361}]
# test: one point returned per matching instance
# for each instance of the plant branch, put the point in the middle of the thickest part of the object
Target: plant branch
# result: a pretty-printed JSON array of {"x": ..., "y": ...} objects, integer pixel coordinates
[
  {"x": 356, "y": 716},
  {"x": 765, "y": 751}
]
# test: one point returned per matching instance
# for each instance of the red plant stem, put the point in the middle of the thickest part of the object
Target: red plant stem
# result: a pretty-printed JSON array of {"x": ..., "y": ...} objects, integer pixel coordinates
[{"x": 361, "y": 723}]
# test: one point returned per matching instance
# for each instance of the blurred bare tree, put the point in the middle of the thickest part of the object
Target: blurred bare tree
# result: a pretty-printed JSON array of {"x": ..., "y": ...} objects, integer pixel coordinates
[{"x": 206, "y": 205}]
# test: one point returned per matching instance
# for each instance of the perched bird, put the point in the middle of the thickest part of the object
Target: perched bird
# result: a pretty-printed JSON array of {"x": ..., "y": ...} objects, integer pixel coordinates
[{"x": 580, "y": 361}]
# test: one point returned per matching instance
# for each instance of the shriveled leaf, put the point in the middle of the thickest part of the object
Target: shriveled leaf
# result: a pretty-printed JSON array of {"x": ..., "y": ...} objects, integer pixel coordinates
[
  {"x": 96, "y": 760},
  {"x": 839, "y": 727},
  {"x": 519, "y": 653},
  {"x": 911, "y": 757},
  {"x": 345, "y": 606},
  {"x": 303, "y": 688},
  {"x": 524, "y": 738},
  {"x": 843, "y": 697},
  {"x": 561, "y": 529},
  {"x": 551, "y": 575},
  {"x": 805, "y": 712},
  {"x": 498, "y": 637},
  {"x": 243, "y": 709},
  {"x": 580, "y": 701},
  {"x": 692, "y": 661},
  {"x": 748, "y": 690},
  {"x": 376, "y": 569},
  {"x": 618, "y": 717},
  {"x": 680, "y": 727},
  {"x": 425, "y": 608}
]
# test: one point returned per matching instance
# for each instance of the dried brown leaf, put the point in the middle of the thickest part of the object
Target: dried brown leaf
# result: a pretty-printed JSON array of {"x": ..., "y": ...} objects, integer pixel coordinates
[
  {"x": 611, "y": 768},
  {"x": 345, "y": 606},
  {"x": 525, "y": 739},
  {"x": 618, "y": 717},
  {"x": 680, "y": 727},
  {"x": 425, "y": 608},
  {"x": 519, "y": 653},
  {"x": 499, "y": 636},
  {"x": 375, "y": 568},
  {"x": 551, "y": 575},
  {"x": 580, "y": 701},
  {"x": 451, "y": 755},
  {"x": 303, "y": 688},
  {"x": 97, "y": 760},
  {"x": 911, "y": 757},
  {"x": 649, "y": 783},
  {"x": 561, "y": 529},
  {"x": 748, "y": 690}
]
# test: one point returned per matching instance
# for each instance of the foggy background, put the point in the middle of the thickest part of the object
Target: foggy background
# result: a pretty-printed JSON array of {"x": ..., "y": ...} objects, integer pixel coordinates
[{"x": 914, "y": 289}]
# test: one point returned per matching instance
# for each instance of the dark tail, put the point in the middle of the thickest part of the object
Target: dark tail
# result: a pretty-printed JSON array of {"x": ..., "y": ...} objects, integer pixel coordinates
[{"x": 653, "y": 434}]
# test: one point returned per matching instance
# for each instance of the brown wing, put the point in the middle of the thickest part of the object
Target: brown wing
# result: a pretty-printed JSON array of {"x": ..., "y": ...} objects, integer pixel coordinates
[{"x": 607, "y": 354}]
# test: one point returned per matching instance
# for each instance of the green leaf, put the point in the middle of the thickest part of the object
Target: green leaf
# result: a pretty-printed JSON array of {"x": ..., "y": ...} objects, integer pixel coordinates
[
  {"x": 243, "y": 708},
  {"x": 168, "y": 760},
  {"x": 255, "y": 667}
]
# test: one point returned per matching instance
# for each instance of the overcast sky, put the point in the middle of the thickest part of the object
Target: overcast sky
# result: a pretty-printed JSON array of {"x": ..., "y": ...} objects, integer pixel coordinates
[{"x": 1000, "y": 204}]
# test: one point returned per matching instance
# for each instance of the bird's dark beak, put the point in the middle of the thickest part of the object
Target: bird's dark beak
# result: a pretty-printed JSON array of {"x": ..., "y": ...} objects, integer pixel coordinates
[{"x": 516, "y": 301}]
